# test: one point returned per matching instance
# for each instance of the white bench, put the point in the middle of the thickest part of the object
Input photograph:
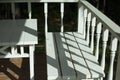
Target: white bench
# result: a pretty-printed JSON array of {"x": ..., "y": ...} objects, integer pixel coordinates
[
  {"x": 18, "y": 39},
  {"x": 69, "y": 58}
]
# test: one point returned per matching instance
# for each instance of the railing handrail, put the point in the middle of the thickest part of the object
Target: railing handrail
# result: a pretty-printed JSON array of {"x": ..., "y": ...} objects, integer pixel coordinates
[
  {"x": 5, "y": 1},
  {"x": 109, "y": 24}
]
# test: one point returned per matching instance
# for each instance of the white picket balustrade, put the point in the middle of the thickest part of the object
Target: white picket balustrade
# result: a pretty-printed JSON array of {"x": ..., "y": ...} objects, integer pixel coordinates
[
  {"x": 95, "y": 28},
  {"x": 107, "y": 26}
]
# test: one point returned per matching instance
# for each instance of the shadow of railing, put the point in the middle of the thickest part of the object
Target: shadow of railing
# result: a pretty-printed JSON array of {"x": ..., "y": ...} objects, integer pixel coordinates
[
  {"x": 72, "y": 54},
  {"x": 15, "y": 69}
]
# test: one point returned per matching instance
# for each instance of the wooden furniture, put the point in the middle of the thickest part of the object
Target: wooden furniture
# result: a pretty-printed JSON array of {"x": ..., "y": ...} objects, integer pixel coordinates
[{"x": 18, "y": 39}]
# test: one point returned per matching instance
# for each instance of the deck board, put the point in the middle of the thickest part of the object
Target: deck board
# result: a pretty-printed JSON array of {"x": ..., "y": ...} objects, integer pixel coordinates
[
  {"x": 78, "y": 60},
  {"x": 53, "y": 69},
  {"x": 67, "y": 66},
  {"x": 95, "y": 68},
  {"x": 76, "y": 57}
]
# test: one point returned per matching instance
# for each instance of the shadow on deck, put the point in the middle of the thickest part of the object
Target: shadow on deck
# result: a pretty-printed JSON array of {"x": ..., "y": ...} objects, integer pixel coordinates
[{"x": 18, "y": 69}]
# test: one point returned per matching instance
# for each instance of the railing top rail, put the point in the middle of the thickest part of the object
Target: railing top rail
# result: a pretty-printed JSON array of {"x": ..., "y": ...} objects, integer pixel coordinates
[
  {"x": 4, "y": 1},
  {"x": 109, "y": 24}
]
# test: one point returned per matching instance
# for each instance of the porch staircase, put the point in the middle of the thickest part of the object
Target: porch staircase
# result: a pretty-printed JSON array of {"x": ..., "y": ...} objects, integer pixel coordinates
[{"x": 70, "y": 58}]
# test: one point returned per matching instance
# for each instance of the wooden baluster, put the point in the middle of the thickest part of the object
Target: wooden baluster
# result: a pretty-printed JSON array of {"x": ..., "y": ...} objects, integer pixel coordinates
[
  {"x": 99, "y": 26},
  {"x": 88, "y": 28},
  {"x": 31, "y": 51},
  {"x": 105, "y": 39},
  {"x": 85, "y": 21},
  {"x": 29, "y": 10},
  {"x": 22, "y": 50},
  {"x": 13, "y": 50},
  {"x": 113, "y": 48},
  {"x": 80, "y": 18},
  {"x": 62, "y": 15},
  {"x": 46, "y": 16},
  {"x": 93, "y": 24}
]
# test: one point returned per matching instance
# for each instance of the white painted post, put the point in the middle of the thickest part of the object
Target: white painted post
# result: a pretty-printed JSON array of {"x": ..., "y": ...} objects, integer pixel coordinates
[
  {"x": 118, "y": 66},
  {"x": 88, "y": 28},
  {"x": 114, "y": 42},
  {"x": 93, "y": 24},
  {"x": 80, "y": 18},
  {"x": 99, "y": 27},
  {"x": 13, "y": 48},
  {"x": 85, "y": 21},
  {"x": 62, "y": 15},
  {"x": 105, "y": 39},
  {"x": 29, "y": 10},
  {"x": 31, "y": 61},
  {"x": 46, "y": 15},
  {"x": 22, "y": 50}
]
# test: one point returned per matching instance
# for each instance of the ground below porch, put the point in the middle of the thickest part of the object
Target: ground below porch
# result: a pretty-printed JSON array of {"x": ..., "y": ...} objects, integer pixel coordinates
[{"x": 18, "y": 69}]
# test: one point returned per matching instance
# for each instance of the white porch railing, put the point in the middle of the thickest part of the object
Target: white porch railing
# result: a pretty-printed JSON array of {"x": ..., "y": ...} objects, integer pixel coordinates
[
  {"x": 101, "y": 24},
  {"x": 94, "y": 26}
]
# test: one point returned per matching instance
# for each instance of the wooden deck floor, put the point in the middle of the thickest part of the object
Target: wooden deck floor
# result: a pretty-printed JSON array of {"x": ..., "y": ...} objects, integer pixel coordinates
[{"x": 18, "y": 69}]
